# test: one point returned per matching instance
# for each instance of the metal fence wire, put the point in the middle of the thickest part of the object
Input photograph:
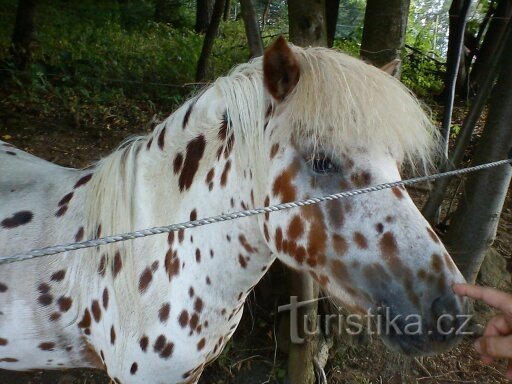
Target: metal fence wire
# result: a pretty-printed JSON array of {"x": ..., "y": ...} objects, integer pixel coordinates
[{"x": 53, "y": 250}]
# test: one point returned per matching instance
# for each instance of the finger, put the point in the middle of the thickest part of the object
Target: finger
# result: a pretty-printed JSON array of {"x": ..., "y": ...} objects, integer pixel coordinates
[
  {"x": 495, "y": 346},
  {"x": 491, "y": 296},
  {"x": 497, "y": 326}
]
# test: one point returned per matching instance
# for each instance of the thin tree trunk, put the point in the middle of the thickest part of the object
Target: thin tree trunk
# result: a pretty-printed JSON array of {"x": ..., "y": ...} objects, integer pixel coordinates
[
  {"x": 458, "y": 14},
  {"x": 204, "y": 11},
  {"x": 23, "y": 34},
  {"x": 497, "y": 27},
  {"x": 307, "y": 24},
  {"x": 227, "y": 7},
  {"x": 300, "y": 358},
  {"x": 435, "y": 198},
  {"x": 307, "y": 27},
  {"x": 385, "y": 23},
  {"x": 476, "y": 219},
  {"x": 209, "y": 38},
  {"x": 332, "y": 8},
  {"x": 265, "y": 14},
  {"x": 252, "y": 29}
]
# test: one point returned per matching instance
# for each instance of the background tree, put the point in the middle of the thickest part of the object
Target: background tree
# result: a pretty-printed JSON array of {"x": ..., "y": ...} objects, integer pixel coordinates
[
  {"x": 209, "y": 38},
  {"x": 332, "y": 8},
  {"x": 307, "y": 22},
  {"x": 307, "y": 28},
  {"x": 204, "y": 12},
  {"x": 384, "y": 29},
  {"x": 500, "y": 20},
  {"x": 475, "y": 221},
  {"x": 23, "y": 34},
  {"x": 252, "y": 28}
]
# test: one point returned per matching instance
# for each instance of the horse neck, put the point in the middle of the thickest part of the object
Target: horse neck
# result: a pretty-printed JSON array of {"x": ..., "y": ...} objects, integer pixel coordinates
[{"x": 188, "y": 170}]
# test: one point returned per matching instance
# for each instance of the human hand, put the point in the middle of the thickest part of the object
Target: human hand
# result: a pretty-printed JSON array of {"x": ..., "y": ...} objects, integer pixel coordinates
[{"x": 496, "y": 341}]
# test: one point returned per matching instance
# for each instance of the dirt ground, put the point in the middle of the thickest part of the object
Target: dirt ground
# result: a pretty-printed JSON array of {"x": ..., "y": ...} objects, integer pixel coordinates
[{"x": 252, "y": 355}]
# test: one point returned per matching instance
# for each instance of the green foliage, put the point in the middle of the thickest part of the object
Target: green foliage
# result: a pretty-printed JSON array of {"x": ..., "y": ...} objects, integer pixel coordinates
[{"x": 95, "y": 59}]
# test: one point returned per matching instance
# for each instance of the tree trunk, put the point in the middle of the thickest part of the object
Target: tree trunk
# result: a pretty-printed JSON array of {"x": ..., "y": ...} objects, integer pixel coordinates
[
  {"x": 227, "y": 7},
  {"x": 476, "y": 219},
  {"x": 454, "y": 59},
  {"x": 385, "y": 23},
  {"x": 435, "y": 197},
  {"x": 300, "y": 358},
  {"x": 307, "y": 22},
  {"x": 332, "y": 8},
  {"x": 204, "y": 11},
  {"x": 168, "y": 11},
  {"x": 497, "y": 27},
  {"x": 307, "y": 27},
  {"x": 209, "y": 38},
  {"x": 252, "y": 29},
  {"x": 23, "y": 34}
]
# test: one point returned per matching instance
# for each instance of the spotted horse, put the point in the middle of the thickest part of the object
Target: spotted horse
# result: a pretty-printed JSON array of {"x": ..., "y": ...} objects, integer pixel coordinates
[{"x": 293, "y": 124}]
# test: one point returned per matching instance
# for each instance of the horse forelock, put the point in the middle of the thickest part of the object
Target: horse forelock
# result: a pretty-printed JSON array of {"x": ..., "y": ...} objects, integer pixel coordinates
[{"x": 339, "y": 103}]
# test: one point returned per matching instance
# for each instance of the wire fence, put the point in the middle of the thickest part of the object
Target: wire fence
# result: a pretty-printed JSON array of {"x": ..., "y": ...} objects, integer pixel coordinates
[{"x": 53, "y": 250}]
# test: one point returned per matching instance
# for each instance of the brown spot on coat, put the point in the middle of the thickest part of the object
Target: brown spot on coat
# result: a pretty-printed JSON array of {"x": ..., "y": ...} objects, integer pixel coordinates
[
  {"x": 225, "y": 172},
  {"x": 397, "y": 192},
  {"x": 47, "y": 346},
  {"x": 112, "y": 335},
  {"x": 163, "y": 313},
  {"x": 295, "y": 228},
  {"x": 339, "y": 244},
  {"x": 248, "y": 247},
  {"x": 118, "y": 264},
  {"x": 86, "y": 319},
  {"x": 19, "y": 218},
  {"x": 96, "y": 310},
  {"x": 65, "y": 199},
  {"x": 61, "y": 211},
  {"x": 64, "y": 303},
  {"x": 360, "y": 240},
  {"x": 8, "y": 360},
  {"x": 80, "y": 234},
  {"x": 143, "y": 342},
  {"x": 145, "y": 279},
  {"x": 105, "y": 298},
  {"x": 336, "y": 214},
  {"x": 201, "y": 344},
  {"x": 361, "y": 179},
  {"x": 161, "y": 138},
  {"x": 198, "y": 305},
  {"x": 195, "y": 151},
  {"x": 183, "y": 319},
  {"x": 187, "y": 114},
  {"x": 133, "y": 369},
  {"x": 273, "y": 150},
  {"x": 59, "y": 275},
  {"x": 3, "y": 342},
  {"x": 437, "y": 263},
  {"x": 3, "y": 287},
  {"x": 283, "y": 187},
  {"x": 83, "y": 180},
  {"x": 177, "y": 163}
]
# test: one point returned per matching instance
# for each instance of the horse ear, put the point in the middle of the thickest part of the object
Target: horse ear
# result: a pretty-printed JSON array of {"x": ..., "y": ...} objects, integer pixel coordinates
[
  {"x": 281, "y": 70},
  {"x": 391, "y": 68}
]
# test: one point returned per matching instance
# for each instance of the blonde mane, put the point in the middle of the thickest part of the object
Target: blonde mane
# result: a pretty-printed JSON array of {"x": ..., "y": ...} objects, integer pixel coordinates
[
  {"x": 339, "y": 100},
  {"x": 340, "y": 103}
]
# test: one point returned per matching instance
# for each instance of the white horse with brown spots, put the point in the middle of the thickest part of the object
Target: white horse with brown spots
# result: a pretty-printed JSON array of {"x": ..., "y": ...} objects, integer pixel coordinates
[{"x": 294, "y": 124}]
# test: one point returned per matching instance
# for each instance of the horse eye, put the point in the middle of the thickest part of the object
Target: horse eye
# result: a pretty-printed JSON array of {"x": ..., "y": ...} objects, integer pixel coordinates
[{"x": 323, "y": 164}]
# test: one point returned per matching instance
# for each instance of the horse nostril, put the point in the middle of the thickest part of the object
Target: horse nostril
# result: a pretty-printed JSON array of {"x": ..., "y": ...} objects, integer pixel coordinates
[{"x": 444, "y": 312}]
